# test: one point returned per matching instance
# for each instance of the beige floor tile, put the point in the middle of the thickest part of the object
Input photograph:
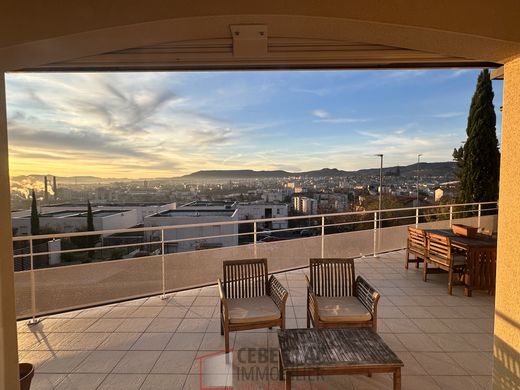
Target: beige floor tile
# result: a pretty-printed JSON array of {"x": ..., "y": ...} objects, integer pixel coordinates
[
  {"x": 63, "y": 362},
  {"x": 475, "y": 363},
  {"x": 36, "y": 358},
  {"x": 250, "y": 340},
  {"x": 411, "y": 366},
  {"x": 100, "y": 362},
  {"x": 120, "y": 312},
  {"x": 400, "y": 325},
  {"x": 185, "y": 342},
  {"x": 137, "y": 362},
  {"x": 51, "y": 342},
  {"x": 486, "y": 382},
  {"x": 134, "y": 325},
  {"x": 119, "y": 341},
  {"x": 82, "y": 341},
  {"x": 195, "y": 325},
  {"x": 164, "y": 325},
  {"x": 146, "y": 311},
  {"x": 183, "y": 301},
  {"x": 152, "y": 342},
  {"x": 74, "y": 325},
  {"x": 481, "y": 342},
  {"x": 192, "y": 382},
  {"x": 105, "y": 325},
  {"x": 393, "y": 342},
  {"x": 174, "y": 362},
  {"x": 452, "y": 342},
  {"x": 206, "y": 301},
  {"x": 215, "y": 341},
  {"x": 94, "y": 312},
  {"x": 418, "y": 342},
  {"x": 122, "y": 382},
  {"x": 81, "y": 382},
  {"x": 462, "y": 325},
  {"x": 200, "y": 312},
  {"x": 422, "y": 382},
  {"x": 163, "y": 381},
  {"x": 173, "y": 312},
  {"x": 46, "y": 381},
  {"x": 438, "y": 363},
  {"x": 156, "y": 301},
  {"x": 431, "y": 325},
  {"x": 414, "y": 312},
  {"x": 451, "y": 382},
  {"x": 443, "y": 312},
  {"x": 389, "y": 312},
  {"x": 376, "y": 382}
]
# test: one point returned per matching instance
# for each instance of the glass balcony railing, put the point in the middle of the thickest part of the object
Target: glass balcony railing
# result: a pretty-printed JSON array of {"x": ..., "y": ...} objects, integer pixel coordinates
[{"x": 116, "y": 265}]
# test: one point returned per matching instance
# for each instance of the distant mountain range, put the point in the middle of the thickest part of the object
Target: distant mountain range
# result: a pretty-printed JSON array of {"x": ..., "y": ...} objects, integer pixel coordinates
[
  {"x": 446, "y": 169},
  {"x": 426, "y": 169}
]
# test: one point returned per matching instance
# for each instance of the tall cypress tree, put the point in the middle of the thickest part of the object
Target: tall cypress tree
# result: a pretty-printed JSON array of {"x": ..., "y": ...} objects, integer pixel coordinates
[
  {"x": 479, "y": 159},
  {"x": 35, "y": 217}
]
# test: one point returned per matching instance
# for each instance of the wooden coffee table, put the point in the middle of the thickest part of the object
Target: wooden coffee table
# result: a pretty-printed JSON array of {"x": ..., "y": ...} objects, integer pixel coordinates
[{"x": 308, "y": 352}]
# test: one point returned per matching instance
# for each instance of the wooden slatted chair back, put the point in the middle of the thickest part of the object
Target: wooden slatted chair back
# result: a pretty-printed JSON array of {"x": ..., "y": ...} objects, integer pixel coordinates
[
  {"x": 439, "y": 249},
  {"x": 245, "y": 278},
  {"x": 416, "y": 239},
  {"x": 332, "y": 277}
]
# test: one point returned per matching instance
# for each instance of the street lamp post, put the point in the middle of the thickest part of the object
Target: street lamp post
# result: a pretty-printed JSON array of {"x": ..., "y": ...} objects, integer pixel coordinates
[
  {"x": 418, "y": 162},
  {"x": 380, "y": 183},
  {"x": 377, "y": 226}
]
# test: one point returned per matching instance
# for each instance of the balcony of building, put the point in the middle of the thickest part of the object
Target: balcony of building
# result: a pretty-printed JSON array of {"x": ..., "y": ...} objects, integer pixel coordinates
[{"x": 145, "y": 322}]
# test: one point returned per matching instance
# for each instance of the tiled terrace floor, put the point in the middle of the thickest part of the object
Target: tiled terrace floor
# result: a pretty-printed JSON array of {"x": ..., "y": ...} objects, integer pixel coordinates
[{"x": 444, "y": 341}]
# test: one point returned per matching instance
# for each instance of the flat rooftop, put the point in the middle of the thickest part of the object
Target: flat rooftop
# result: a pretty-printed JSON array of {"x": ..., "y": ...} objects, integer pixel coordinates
[
  {"x": 195, "y": 213},
  {"x": 206, "y": 203},
  {"x": 445, "y": 341},
  {"x": 78, "y": 213}
]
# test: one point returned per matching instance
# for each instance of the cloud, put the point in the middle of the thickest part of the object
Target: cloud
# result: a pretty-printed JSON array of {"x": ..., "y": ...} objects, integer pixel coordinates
[
  {"x": 448, "y": 115},
  {"x": 340, "y": 120},
  {"x": 322, "y": 114}
]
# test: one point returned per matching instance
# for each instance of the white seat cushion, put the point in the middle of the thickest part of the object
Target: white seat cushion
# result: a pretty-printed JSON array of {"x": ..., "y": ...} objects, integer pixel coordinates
[
  {"x": 255, "y": 309},
  {"x": 342, "y": 309}
]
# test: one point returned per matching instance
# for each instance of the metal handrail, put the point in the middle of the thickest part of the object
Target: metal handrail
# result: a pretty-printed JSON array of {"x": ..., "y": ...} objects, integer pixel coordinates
[
  {"x": 247, "y": 221},
  {"x": 162, "y": 241}
]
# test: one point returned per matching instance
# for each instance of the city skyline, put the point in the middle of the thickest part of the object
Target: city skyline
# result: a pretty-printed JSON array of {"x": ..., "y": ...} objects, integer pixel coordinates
[{"x": 139, "y": 125}]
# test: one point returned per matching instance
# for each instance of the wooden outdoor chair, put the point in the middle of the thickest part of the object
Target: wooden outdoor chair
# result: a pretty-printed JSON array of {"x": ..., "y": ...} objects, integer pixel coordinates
[
  {"x": 416, "y": 246},
  {"x": 441, "y": 254},
  {"x": 249, "y": 299},
  {"x": 336, "y": 298}
]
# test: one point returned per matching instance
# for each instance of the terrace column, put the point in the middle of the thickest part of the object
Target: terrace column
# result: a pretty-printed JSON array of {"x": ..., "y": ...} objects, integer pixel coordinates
[
  {"x": 506, "y": 365},
  {"x": 8, "y": 337}
]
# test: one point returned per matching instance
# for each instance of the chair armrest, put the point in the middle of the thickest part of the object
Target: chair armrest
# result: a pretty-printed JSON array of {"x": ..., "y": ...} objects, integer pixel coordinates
[
  {"x": 223, "y": 300},
  {"x": 278, "y": 293},
  {"x": 312, "y": 302},
  {"x": 367, "y": 294}
]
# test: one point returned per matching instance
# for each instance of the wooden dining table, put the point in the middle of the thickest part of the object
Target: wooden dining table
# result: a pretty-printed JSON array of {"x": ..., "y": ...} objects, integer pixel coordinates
[{"x": 481, "y": 254}]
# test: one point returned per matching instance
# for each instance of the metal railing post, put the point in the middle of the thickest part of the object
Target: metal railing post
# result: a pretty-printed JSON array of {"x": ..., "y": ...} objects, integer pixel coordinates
[
  {"x": 163, "y": 296},
  {"x": 33, "y": 320},
  {"x": 322, "y": 237},
  {"x": 417, "y": 217},
  {"x": 451, "y": 215},
  {"x": 375, "y": 233},
  {"x": 254, "y": 238},
  {"x": 479, "y": 214}
]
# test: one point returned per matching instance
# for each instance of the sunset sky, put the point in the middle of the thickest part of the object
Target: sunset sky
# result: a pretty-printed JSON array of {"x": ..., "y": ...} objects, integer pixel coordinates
[{"x": 144, "y": 125}]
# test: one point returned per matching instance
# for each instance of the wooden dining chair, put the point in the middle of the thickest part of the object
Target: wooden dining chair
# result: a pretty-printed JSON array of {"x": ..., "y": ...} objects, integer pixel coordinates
[
  {"x": 336, "y": 298},
  {"x": 249, "y": 298},
  {"x": 441, "y": 255},
  {"x": 416, "y": 246}
]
